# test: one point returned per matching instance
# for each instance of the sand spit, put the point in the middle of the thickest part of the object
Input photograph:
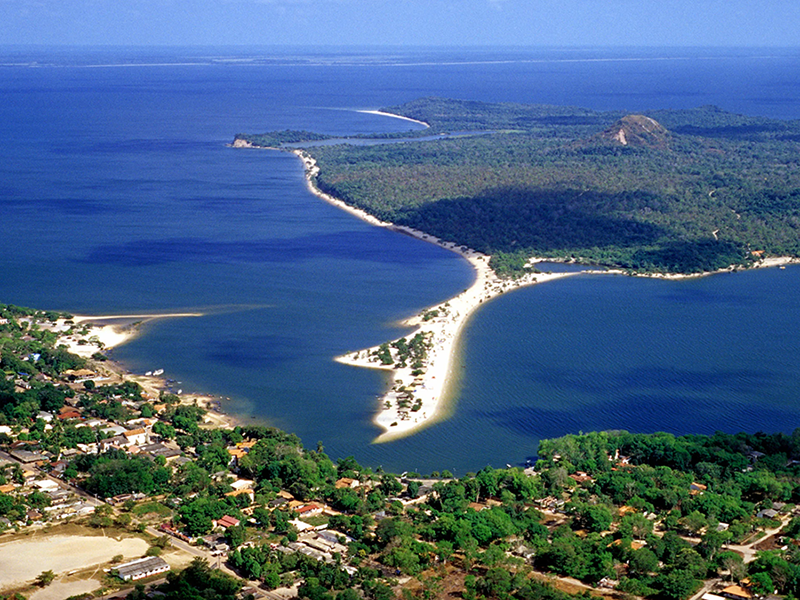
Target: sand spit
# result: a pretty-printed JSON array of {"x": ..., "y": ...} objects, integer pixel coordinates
[
  {"x": 386, "y": 114},
  {"x": 417, "y": 397},
  {"x": 85, "y": 335}
]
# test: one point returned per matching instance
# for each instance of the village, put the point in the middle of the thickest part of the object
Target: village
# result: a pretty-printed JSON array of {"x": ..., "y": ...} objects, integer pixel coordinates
[{"x": 110, "y": 488}]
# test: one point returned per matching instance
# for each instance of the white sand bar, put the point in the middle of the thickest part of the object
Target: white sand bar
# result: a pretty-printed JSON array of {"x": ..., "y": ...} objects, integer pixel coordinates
[
  {"x": 416, "y": 401},
  {"x": 425, "y": 392}
]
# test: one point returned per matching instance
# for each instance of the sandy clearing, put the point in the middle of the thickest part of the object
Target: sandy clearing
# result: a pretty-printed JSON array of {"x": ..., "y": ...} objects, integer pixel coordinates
[
  {"x": 22, "y": 560},
  {"x": 59, "y": 590}
]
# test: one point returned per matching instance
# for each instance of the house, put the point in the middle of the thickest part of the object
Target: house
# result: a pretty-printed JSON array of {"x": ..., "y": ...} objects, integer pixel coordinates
[
  {"x": 737, "y": 592},
  {"x": 243, "y": 484},
  {"x": 7, "y": 488},
  {"x": 697, "y": 488},
  {"x": 141, "y": 568},
  {"x": 46, "y": 485},
  {"x": 346, "y": 482},
  {"x": 227, "y": 521},
  {"x": 767, "y": 514},
  {"x": 118, "y": 441},
  {"x": 300, "y": 525},
  {"x": 26, "y": 456},
  {"x": 159, "y": 449},
  {"x": 240, "y": 450},
  {"x": 135, "y": 437},
  {"x": 309, "y": 510},
  {"x": 34, "y": 515},
  {"x": 277, "y": 502},
  {"x": 581, "y": 477},
  {"x": 45, "y": 416},
  {"x": 68, "y": 412}
]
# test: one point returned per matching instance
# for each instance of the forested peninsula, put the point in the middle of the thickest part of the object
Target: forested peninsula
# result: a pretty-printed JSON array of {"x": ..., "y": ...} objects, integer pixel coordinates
[{"x": 665, "y": 191}]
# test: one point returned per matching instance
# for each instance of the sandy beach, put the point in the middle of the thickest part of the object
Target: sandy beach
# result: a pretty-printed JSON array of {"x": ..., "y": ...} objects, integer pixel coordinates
[
  {"x": 85, "y": 335},
  {"x": 417, "y": 400},
  {"x": 386, "y": 114}
]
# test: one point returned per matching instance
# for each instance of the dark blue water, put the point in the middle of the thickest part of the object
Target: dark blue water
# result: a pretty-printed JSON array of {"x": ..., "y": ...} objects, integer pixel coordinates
[{"x": 118, "y": 194}]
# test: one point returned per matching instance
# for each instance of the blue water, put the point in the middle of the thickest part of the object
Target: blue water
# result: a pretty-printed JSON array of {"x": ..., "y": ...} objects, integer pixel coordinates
[{"x": 118, "y": 194}]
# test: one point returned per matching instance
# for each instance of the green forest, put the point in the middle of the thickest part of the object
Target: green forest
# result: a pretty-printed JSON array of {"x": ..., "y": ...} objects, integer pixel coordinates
[{"x": 703, "y": 190}]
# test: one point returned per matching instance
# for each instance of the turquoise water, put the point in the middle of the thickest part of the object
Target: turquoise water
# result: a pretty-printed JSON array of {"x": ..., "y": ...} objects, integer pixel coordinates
[{"x": 118, "y": 194}]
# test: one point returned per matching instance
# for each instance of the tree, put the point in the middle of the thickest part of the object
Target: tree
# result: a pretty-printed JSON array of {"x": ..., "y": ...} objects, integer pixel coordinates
[
  {"x": 762, "y": 584},
  {"x": 678, "y": 584},
  {"x": 643, "y": 561},
  {"x": 45, "y": 578},
  {"x": 236, "y": 536}
]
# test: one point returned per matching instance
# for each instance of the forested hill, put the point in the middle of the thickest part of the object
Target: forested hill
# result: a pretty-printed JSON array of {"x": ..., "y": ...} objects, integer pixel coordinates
[{"x": 663, "y": 191}]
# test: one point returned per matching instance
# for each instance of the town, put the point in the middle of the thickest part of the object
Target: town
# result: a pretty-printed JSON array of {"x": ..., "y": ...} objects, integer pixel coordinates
[{"x": 116, "y": 490}]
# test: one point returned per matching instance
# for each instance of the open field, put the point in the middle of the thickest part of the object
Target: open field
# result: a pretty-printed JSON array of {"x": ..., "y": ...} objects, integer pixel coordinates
[{"x": 22, "y": 560}]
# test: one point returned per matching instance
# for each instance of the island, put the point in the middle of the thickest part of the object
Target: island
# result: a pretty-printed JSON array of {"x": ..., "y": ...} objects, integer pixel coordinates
[{"x": 669, "y": 193}]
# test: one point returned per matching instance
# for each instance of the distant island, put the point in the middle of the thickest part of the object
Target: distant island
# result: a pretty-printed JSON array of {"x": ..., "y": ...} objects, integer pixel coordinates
[{"x": 670, "y": 193}]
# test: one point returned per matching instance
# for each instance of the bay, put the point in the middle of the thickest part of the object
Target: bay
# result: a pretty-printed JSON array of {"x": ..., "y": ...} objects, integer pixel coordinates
[{"x": 118, "y": 194}]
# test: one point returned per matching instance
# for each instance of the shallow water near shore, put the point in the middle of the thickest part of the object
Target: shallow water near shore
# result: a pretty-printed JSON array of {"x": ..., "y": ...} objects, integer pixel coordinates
[{"x": 119, "y": 195}]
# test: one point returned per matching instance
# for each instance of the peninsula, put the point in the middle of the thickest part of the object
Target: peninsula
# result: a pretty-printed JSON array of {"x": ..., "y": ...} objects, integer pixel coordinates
[{"x": 668, "y": 194}]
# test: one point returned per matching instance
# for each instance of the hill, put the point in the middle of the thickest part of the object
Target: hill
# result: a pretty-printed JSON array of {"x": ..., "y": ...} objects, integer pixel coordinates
[{"x": 636, "y": 130}]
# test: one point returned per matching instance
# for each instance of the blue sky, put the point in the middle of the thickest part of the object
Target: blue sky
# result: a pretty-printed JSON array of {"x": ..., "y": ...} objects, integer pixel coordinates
[{"x": 402, "y": 22}]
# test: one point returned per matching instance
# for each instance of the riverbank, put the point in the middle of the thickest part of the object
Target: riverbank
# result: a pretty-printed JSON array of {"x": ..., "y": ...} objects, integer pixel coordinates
[{"x": 86, "y": 335}]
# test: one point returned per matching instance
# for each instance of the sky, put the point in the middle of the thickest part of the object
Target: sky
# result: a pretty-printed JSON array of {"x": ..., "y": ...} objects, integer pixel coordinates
[{"x": 402, "y": 22}]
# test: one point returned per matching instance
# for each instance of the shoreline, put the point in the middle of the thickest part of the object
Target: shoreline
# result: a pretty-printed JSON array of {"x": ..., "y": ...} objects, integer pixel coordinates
[
  {"x": 394, "y": 116},
  {"x": 415, "y": 401},
  {"x": 98, "y": 337}
]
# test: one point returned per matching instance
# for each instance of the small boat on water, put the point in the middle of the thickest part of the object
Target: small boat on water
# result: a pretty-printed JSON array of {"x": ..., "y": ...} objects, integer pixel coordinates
[{"x": 158, "y": 372}]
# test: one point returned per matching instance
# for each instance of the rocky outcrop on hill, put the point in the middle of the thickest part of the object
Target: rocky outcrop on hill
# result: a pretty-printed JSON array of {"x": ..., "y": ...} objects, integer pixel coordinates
[{"x": 637, "y": 130}]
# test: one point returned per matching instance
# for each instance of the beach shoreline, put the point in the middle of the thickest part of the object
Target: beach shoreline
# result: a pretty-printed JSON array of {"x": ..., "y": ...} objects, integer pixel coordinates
[
  {"x": 94, "y": 335},
  {"x": 394, "y": 116},
  {"x": 417, "y": 400}
]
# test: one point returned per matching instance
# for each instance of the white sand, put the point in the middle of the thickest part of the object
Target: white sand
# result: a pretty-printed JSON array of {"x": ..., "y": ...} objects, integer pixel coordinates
[
  {"x": 385, "y": 114},
  {"x": 101, "y": 336},
  {"x": 429, "y": 389},
  {"x": 22, "y": 560}
]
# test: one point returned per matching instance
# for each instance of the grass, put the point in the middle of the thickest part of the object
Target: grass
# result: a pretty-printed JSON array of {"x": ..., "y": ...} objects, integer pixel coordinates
[
  {"x": 151, "y": 508},
  {"x": 316, "y": 520}
]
